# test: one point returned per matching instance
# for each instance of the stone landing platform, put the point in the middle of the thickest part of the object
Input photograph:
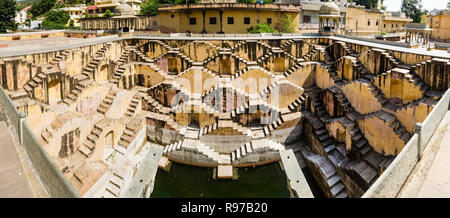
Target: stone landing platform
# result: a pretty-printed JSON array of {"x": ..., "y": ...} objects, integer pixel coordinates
[{"x": 297, "y": 180}]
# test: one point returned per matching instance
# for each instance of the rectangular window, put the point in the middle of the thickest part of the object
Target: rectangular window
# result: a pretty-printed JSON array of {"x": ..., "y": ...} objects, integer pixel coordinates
[
  {"x": 230, "y": 20},
  {"x": 368, "y": 22},
  {"x": 246, "y": 20},
  {"x": 192, "y": 21},
  {"x": 269, "y": 20},
  {"x": 172, "y": 16},
  {"x": 396, "y": 25},
  {"x": 376, "y": 23},
  {"x": 392, "y": 25},
  {"x": 212, "y": 20},
  {"x": 384, "y": 25},
  {"x": 306, "y": 19}
]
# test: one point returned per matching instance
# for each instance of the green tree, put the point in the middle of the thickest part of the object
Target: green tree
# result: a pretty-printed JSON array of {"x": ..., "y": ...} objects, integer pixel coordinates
[
  {"x": 367, "y": 3},
  {"x": 41, "y": 7},
  {"x": 412, "y": 9},
  {"x": 286, "y": 24},
  {"x": 56, "y": 19},
  {"x": 107, "y": 13},
  {"x": 448, "y": 5},
  {"x": 71, "y": 23},
  {"x": 150, "y": 8},
  {"x": 7, "y": 14},
  {"x": 261, "y": 28},
  {"x": 23, "y": 4}
]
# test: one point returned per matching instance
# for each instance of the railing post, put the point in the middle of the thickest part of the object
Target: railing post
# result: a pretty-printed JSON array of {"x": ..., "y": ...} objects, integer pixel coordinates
[
  {"x": 418, "y": 131},
  {"x": 21, "y": 121}
]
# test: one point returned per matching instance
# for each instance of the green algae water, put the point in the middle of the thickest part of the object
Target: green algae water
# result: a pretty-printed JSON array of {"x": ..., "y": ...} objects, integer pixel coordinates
[{"x": 188, "y": 181}]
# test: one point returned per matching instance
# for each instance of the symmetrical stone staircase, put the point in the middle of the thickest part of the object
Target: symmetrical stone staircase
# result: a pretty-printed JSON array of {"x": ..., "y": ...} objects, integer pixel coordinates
[
  {"x": 311, "y": 55},
  {"x": 334, "y": 75},
  {"x": 114, "y": 186},
  {"x": 359, "y": 170},
  {"x": 256, "y": 144},
  {"x": 298, "y": 104},
  {"x": 107, "y": 101},
  {"x": 291, "y": 70},
  {"x": 209, "y": 128},
  {"x": 326, "y": 173},
  {"x": 194, "y": 145},
  {"x": 131, "y": 110},
  {"x": 286, "y": 44},
  {"x": 393, "y": 123},
  {"x": 48, "y": 134},
  {"x": 76, "y": 92},
  {"x": 33, "y": 83},
  {"x": 88, "y": 71},
  {"x": 131, "y": 129},
  {"x": 60, "y": 57},
  {"x": 378, "y": 94},
  {"x": 89, "y": 144},
  {"x": 242, "y": 151},
  {"x": 118, "y": 74}
]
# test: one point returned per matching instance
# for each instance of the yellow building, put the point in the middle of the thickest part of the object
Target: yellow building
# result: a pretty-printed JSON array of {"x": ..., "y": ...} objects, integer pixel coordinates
[
  {"x": 440, "y": 23},
  {"x": 103, "y": 5},
  {"x": 394, "y": 22},
  {"x": 223, "y": 17},
  {"x": 360, "y": 21},
  {"x": 75, "y": 13}
]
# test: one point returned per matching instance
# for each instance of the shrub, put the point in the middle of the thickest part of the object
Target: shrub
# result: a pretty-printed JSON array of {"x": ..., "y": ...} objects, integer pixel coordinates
[
  {"x": 150, "y": 8},
  {"x": 108, "y": 14},
  {"x": 41, "y": 7},
  {"x": 261, "y": 28},
  {"x": 286, "y": 24},
  {"x": 56, "y": 19},
  {"x": 7, "y": 14}
]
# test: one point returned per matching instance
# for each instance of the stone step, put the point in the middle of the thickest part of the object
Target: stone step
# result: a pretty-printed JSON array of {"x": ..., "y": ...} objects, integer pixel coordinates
[
  {"x": 337, "y": 188},
  {"x": 108, "y": 194},
  {"x": 92, "y": 138},
  {"x": 123, "y": 143},
  {"x": 85, "y": 150},
  {"x": 113, "y": 189},
  {"x": 89, "y": 144}
]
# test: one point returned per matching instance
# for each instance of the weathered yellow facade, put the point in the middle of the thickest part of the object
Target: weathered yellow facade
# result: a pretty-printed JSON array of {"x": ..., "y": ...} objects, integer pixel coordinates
[
  {"x": 360, "y": 21},
  {"x": 222, "y": 18},
  {"x": 440, "y": 24},
  {"x": 392, "y": 24}
]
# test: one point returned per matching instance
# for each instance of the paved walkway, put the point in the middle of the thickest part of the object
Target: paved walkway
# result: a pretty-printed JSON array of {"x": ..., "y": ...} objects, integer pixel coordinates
[
  {"x": 295, "y": 175},
  {"x": 431, "y": 176},
  {"x": 435, "y": 53},
  {"x": 42, "y": 45},
  {"x": 13, "y": 182}
]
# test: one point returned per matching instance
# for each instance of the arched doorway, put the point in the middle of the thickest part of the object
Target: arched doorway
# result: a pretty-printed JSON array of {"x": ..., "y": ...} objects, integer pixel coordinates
[
  {"x": 109, "y": 140},
  {"x": 54, "y": 91}
]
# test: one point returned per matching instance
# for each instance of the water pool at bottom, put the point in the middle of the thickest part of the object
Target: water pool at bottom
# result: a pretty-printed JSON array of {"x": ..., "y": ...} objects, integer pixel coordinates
[{"x": 188, "y": 181}]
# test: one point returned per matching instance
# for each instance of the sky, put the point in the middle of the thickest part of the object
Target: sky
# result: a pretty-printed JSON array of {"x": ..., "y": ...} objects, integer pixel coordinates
[{"x": 394, "y": 5}]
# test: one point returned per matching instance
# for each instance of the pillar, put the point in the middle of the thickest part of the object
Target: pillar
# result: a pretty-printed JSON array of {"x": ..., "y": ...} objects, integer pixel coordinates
[{"x": 204, "y": 18}]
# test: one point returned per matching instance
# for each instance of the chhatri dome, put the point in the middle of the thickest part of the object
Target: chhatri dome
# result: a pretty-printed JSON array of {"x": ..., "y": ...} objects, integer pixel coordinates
[
  {"x": 124, "y": 10},
  {"x": 329, "y": 8}
]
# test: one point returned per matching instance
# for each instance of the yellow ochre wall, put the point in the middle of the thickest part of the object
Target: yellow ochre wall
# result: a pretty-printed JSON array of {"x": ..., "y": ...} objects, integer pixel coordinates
[
  {"x": 180, "y": 21},
  {"x": 441, "y": 27},
  {"x": 356, "y": 21},
  {"x": 389, "y": 28}
]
